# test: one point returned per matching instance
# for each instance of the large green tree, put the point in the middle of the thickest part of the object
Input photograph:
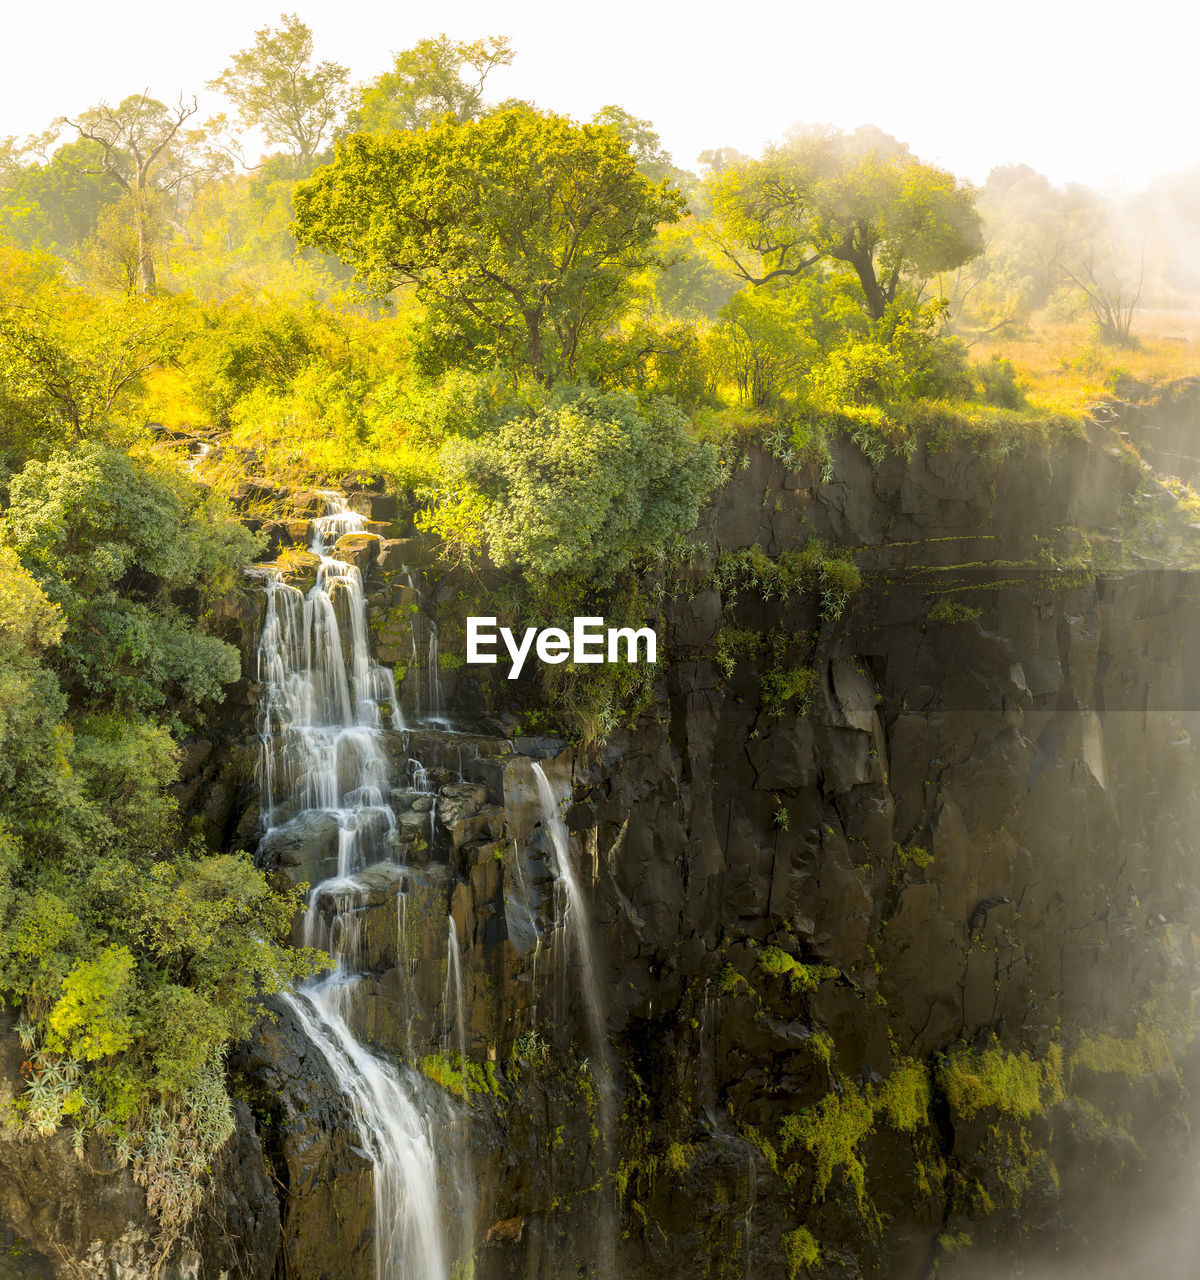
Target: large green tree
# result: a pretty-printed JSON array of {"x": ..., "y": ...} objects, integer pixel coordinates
[
  {"x": 860, "y": 199},
  {"x": 53, "y": 204},
  {"x": 433, "y": 79},
  {"x": 141, "y": 145},
  {"x": 520, "y": 230},
  {"x": 277, "y": 88}
]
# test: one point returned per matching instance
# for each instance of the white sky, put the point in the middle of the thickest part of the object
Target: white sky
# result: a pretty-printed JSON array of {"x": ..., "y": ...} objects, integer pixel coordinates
[{"x": 1095, "y": 93}]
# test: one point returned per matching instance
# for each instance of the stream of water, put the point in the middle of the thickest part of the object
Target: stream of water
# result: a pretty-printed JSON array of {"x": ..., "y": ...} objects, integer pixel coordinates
[
  {"x": 323, "y": 759},
  {"x": 326, "y": 705},
  {"x": 576, "y": 928}
]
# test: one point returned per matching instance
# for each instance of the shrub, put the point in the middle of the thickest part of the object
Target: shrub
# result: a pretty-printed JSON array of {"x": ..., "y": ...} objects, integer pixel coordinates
[
  {"x": 800, "y": 1251},
  {"x": 998, "y": 384},
  {"x": 831, "y": 1133},
  {"x": 115, "y": 543},
  {"x": 801, "y": 977},
  {"x": 585, "y": 484},
  {"x": 949, "y": 612}
]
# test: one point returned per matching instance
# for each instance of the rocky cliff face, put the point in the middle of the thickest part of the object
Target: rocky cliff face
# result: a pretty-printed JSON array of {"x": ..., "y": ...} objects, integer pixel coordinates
[{"x": 892, "y": 903}]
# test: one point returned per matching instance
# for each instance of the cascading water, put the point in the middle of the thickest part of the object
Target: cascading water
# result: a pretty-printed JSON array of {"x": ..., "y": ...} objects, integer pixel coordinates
[
  {"x": 575, "y": 918},
  {"x": 433, "y": 679},
  {"x": 455, "y": 1034},
  {"x": 577, "y": 931},
  {"x": 323, "y": 756}
]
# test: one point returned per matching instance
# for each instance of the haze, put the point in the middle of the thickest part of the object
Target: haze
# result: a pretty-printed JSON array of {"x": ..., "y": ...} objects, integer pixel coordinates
[{"x": 1092, "y": 95}]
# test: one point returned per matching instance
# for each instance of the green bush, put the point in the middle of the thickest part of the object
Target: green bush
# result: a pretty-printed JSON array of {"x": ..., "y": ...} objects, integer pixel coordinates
[
  {"x": 584, "y": 485},
  {"x": 993, "y": 1078},
  {"x": 998, "y": 384},
  {"x": 831, "y": 575},
  {"x": 800, "y": 1251},
  {"x": 117, "y": 544}
]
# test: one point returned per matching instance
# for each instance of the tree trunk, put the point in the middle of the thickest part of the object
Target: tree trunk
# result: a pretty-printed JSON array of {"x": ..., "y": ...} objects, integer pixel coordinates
[
  {"x": 147, "y": 285},
  {"x": 864, "y": 268},
  {"x": 533, "y": 323}
]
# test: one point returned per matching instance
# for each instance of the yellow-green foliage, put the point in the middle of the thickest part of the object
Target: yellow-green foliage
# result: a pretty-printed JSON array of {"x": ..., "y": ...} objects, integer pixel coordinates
[
  {"x": 800, "y": 1251},
  {"x": 801, "y": 977},
  {"x": 780, "y": 685},
  {"x": 765, "y": 1148},
  {"x": 905, "y": 1095},
  {"x": 829, "y": 574},
  {"x": 729, "y": 980},
  {"x": 951, "y": 611},
  {"x": 1011, "y": 1083},
  {"x": 918, "y": 856},
  {"x": 679, "y": 1157},
  {"x": 831, "y": 1132},
  {"x": 953, "y": 1241},
  {"x": 733, "y": 645},
  {"x": 91, "y": 1020},
  {"x": 460, "y": 1076},
  {"x": 1146, "y": 1053}
]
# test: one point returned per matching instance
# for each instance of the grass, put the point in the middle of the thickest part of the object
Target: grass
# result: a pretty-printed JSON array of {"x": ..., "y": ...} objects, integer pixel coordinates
[{"x": 1063, "y": 368}]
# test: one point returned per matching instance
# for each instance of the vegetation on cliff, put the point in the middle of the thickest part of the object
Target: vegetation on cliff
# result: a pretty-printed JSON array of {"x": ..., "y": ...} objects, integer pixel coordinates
[{"x": 551, "y": 343}]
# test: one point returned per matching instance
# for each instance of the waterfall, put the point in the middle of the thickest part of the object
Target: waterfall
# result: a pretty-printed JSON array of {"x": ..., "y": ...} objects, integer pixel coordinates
[
  {"x": 575, "y": 918},
  {"x": 393, "y": 1132},
  {"x": 452, "y": 1001},
  {"x": 576, "y": 928},
  {"x": 454, "y": 1014},
  {"x": 433, "y": 679},
  {"x": 323, "y": 757}
]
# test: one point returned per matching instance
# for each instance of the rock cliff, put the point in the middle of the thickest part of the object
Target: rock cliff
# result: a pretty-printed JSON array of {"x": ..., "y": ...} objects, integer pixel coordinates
[{"x": 891, "y": 890}]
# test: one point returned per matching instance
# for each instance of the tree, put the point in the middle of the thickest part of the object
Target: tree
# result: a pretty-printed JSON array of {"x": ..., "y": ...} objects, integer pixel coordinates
[
  {"x": 520, "y": 230},
  {"x": 860, "y": 199},
  {"x": 428, "y": 83},
  {"x": 1030, "y": 227},
  {"x": 56, "y": 204},
  {"x": 1110, "y": 289},
  {"x": 585, "y": 484},
  {"x": 118, "y": 546},
  {"x": 646, "y": 147},
  {"x": 69, "y": 371},
  {"x": 276, "y": 88},
  {"x": 134, "y": 141}
]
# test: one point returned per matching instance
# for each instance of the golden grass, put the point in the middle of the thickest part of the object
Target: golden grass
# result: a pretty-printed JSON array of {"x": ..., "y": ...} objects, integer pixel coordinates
[{"x": 1063, "y": 368}]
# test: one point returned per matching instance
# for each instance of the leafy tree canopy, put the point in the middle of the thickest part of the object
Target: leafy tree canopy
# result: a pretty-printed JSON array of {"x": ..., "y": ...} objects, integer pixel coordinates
[
  {"x": 520, "y": 230},
  {"x": 55, "y": 205},
  {"x": 69, "y": 368},
  {"x": 645, "y": 146},
  {"x": 113, "y": 542},
  {"x": 860, "y": 199},
  {"x": 277, "y": 88},
  {"x": 436, "y": 78},
  {"x": 586, "y": 483},
  {"x": 143, "y": 147}
]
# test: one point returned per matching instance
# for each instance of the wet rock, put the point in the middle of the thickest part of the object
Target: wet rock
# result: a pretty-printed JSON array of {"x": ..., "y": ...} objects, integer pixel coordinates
[
  {"x": 363, "y": 482},
  {"x": 305, "y": 848},
  {"x": 299, "y": 568},
  {"x": 70, "y": 1217},
  {"x": 327, "y": 1223},
  {"x": 380, "y": 507},
  {"x": 255, "y": 491},
  {"x": 307, "y": 503},
  {"x": 357, "y": 549},
  {"x": 396, "y": 554}
]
